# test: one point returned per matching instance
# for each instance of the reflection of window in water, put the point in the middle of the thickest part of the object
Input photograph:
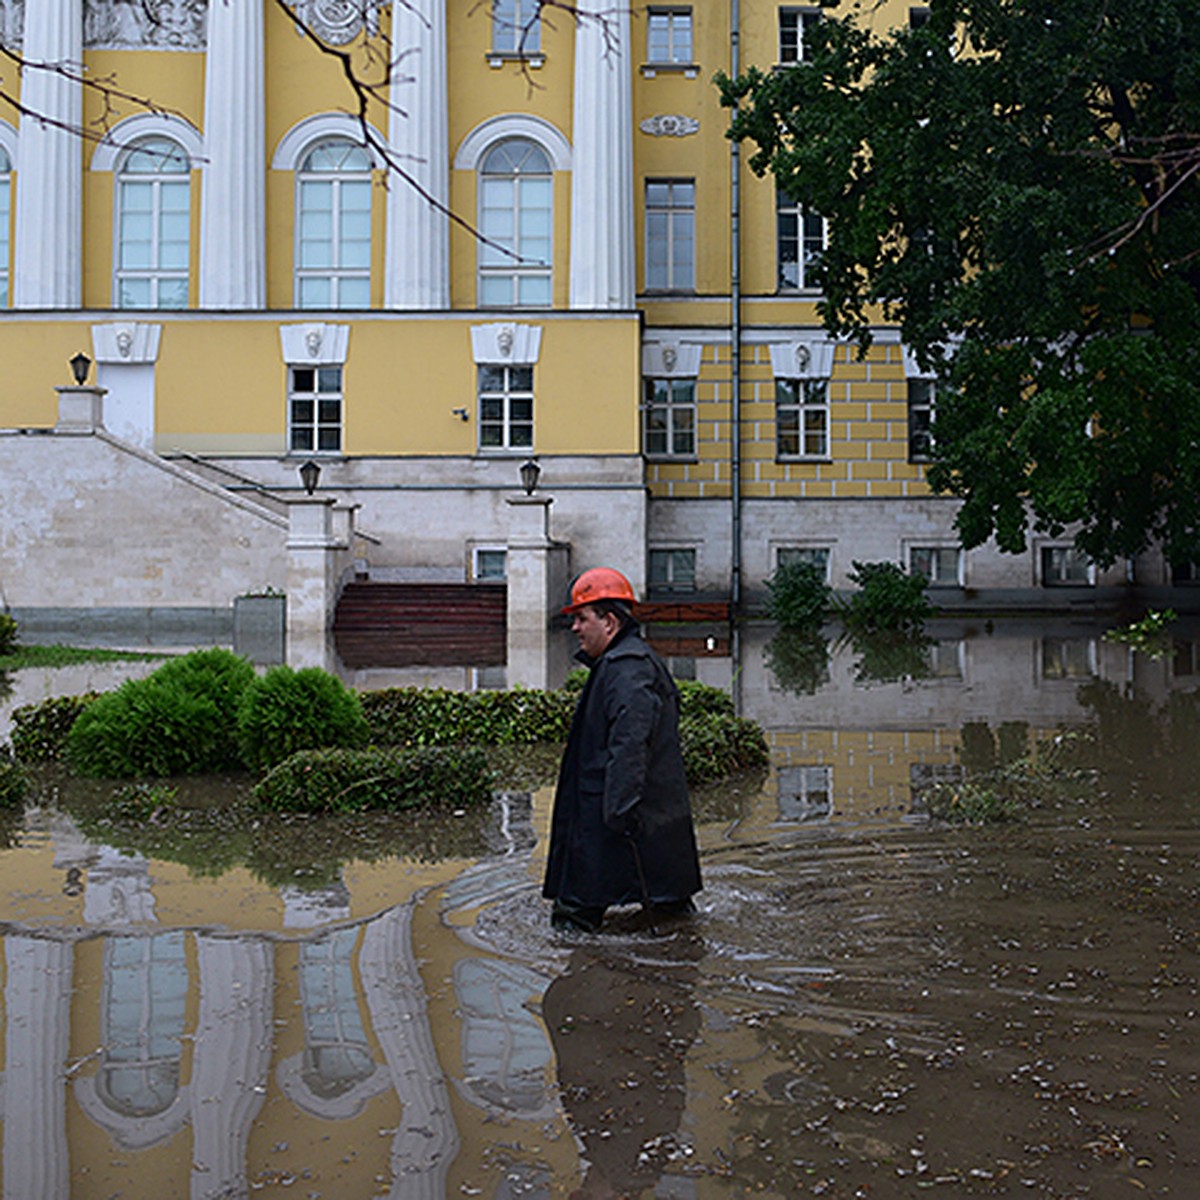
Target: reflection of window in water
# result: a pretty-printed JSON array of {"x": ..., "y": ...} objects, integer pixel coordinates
[
  {"x": 946, "y": 659},
  {"x": 805, "y": 793},
  {"x": 505, "y": 1052},
  {"x": 923, "y": 776},
  {"x": 1187, "y": 658},
  {"x": 336, "y": 1054},
  {"x": 1068, "y": 658},
  {"x": 145, "y": 996}
]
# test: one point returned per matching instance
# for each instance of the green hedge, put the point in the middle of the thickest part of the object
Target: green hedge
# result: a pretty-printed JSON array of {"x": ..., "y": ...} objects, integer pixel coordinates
[
  {"x": 439, "y": 717},
  {"x": 181, "y": 720},
  {"x": 715, "y": 746},
  {"x": 285, "y": 711},
  {"x": 345, "y": 781},
  {"x": 13, "y": 783}
]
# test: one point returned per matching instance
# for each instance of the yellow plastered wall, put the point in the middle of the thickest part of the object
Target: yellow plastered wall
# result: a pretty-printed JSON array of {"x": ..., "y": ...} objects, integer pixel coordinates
[
  {"x": 868, "y": 432},
  {"x": 36, "y": 355}
]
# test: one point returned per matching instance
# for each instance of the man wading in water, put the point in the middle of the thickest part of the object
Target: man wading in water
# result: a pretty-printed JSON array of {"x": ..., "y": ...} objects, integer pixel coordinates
[{"x": 622, "y": 826}]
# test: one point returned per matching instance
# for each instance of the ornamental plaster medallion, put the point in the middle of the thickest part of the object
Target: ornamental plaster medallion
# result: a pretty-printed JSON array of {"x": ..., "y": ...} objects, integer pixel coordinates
[
  {"x": 504, "y": 339},
  {"x": 312, "y": 342},
  {"x": 670, "y": 125},
  {"x": 670, "y": 356},
  {"x": 339, "y": 22},
  {"x": 144, "y": 24},
  {"x": 12, "y": 23},
  {"x": 803, "y": 357}
]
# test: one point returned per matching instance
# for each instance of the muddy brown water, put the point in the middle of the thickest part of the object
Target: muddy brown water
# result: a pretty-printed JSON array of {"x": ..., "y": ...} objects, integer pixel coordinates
[{"x": 869, "y": 1003}]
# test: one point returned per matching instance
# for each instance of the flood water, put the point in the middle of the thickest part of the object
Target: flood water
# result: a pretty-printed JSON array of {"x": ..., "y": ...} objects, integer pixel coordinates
[{"x": 868, "y": 1004}]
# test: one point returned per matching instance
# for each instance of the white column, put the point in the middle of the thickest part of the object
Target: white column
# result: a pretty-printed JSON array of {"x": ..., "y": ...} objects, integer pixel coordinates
[
  {"x": 602, "y": 263},
  {"x": 417, "y": 267},
  {"x": 37, "y": 992},
  {"x": 234, "y": 1040},
  {"x": 232, "y": 198},
  {"x": 48, "y": 238}
]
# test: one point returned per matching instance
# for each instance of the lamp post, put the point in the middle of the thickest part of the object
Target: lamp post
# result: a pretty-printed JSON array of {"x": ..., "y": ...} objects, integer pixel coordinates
[
  {"x": 530, "y": 471},
  {"x": 80, "y": 365},
  {"x": 310, "y": 474}
]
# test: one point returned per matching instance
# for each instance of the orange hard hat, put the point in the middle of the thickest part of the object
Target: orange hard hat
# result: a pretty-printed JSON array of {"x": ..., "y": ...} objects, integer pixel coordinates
[{"x": 600, "y": 583}]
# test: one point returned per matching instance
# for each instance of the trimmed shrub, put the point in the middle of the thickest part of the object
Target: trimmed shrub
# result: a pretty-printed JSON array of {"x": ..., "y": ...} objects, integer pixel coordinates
[
  {"x": 715, "y": 746},
  {"x": 346, "y": 781},
  {"x": 438, "y": 717},
  {"x": 798, "y": 596},
  {"x": 695, "y": 698},
  {"x": 39, "y": 731},
  {"x": 889, "y": 598},
  {"x": 8, "y": 634},
  {"x": 286, "y": 710},
  {"x": 181, "y": 720}
]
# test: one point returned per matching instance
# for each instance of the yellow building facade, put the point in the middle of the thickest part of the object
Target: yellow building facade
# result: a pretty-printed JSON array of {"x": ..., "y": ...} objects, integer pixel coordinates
[{"x": 510, "y": 237}]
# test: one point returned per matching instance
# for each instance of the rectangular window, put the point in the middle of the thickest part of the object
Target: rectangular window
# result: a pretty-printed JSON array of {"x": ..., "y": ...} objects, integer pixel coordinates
[
  {"x": 489, "y": 564},
  {"x": 1185, "y": 573},
  {"x": 670, "y": 234},
  {"x": 800, "y": 238},
  {"x": 670, "y": 417},
  {"x": 793, "y": 24},
  {"x": 505, "y": 408},
  {"x": 918, "y": 17},
  {"x": 516, "y": 27},
  {"x": 673, "y": 570},
  {"x": 802, "y": 418},
  {"x": 805, "y": 793},
  {"x": 818, "y": 556},
  {"x": 315, "y": 410},
  {"x": 921, "y": 396},
  {"x": 939, "y": 564},
  {"x": 1065, "y": 566},
  {"x": 669, "y": 35},
  {"x": 1068, "y": 658}
]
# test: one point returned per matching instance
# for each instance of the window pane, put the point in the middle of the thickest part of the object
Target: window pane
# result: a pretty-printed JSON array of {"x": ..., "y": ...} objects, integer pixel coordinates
[
  {"x": 134, "y": 293},
  {"x": 173, "y": 293},
  {"x": 303, "y": 379},
  {"x": 534, "y": 290},
  {"x": 354, "y": 293},
  {"x": 329, "y": 379},
  {"x": 329, "y": 439},
  {"x": 314, "y": 292},
  {"x": 522, "y": 379}
]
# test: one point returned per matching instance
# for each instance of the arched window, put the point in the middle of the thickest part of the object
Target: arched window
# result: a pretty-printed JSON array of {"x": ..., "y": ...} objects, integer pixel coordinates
[
  {"x": 333, "y": 227},
  {"x": 153, "y": 223},
  {"x": 5, "y": 211},
  {"x": 515, "y": 218}
]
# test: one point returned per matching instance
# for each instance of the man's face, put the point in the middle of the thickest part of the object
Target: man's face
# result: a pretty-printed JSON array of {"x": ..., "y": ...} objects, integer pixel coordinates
[{"x": 593, "y": 630}]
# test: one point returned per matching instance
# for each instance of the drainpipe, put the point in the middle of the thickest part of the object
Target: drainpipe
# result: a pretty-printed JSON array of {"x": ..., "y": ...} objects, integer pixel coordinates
[{"x": 735, "y": 333}]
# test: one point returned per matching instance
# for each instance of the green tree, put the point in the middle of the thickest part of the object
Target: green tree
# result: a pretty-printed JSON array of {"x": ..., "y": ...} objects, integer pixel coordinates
[{"x": 1018, "y": 180}]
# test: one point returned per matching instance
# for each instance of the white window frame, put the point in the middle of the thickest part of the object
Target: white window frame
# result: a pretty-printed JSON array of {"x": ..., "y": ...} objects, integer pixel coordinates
[
  {"x": 798, "y": 783},
  {"x": 921, "y": 401},
  {"x": 1065, "y": 550},
  {"x": 335, "y": 273},
  {"x": 820, "y": 554},
  {"x": 673, "y": 225},
  {"x": 477, "y": 554},
  {"x": 810, "y": 398},
  {"x": 516, "y": 29},
  {"x": 955, "y": 579},
  {"x": 794, "y": 22},
  {"x": 161, "y": 183},
  {"x": 667, "y": 555},
  {"x": 515, "y": 261},
  {"x": 509, "y": 416},
  {"x": 808, "y": 242},
  {"x": 318, "y": 393},
  {"x": 679, "y": 415},
  {"x": 679, "y": 41}
]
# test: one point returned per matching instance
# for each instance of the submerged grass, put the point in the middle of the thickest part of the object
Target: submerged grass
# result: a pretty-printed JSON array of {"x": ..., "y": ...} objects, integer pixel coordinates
[{"x": 68, "y": 656}]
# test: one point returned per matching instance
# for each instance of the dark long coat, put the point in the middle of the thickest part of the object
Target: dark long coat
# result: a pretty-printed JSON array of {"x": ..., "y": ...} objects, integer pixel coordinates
[{"x": 622, "y": 793}]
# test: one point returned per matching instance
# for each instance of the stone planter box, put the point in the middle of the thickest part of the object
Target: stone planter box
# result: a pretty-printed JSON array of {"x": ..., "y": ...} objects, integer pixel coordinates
[{"x": 260, "y": 628}]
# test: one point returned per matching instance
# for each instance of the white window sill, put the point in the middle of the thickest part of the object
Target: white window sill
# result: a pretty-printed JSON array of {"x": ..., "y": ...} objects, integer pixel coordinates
[
  {"x": 687, "y": 70},
  {"x": 499, "y": 58}
]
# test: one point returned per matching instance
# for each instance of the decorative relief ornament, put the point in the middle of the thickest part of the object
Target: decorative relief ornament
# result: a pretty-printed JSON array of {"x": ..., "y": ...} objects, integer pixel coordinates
[
  {"x": 339, "y": 21},
  {"x": 803, "y": 358},
  {"x": 144, "y": 24},
  {"x": 670, "y": 125},
  {"x": 12, "y": 23}
]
